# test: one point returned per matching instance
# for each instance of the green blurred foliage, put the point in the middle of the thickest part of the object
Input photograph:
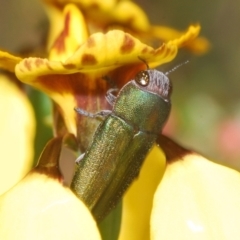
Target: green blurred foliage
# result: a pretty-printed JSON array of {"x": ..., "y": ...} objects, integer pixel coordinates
[{"x": 43, "y": 112}]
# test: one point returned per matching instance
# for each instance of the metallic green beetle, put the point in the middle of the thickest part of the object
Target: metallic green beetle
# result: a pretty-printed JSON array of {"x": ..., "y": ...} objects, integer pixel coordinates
[{"x": 122, "y": 140}]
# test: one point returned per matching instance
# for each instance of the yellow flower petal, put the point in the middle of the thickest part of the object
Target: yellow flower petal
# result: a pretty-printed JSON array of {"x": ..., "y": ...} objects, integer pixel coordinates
[
  {"x": 105, "y": 13},
  {"x": 87, "y": 59},
  {"x": 17, "y": 127},
  {"x": 56, "y": 23},
  {"x": 198, "y": 45},
  {"x": 39, "y": 207},
  {"x": 197, "y": 199},
  {"x": 78, "y": 80},
  {"x": 137, "y": 202},
  {"x": 73, "y": 35},
  {"x": 126, "y": 15},
  {"x": 107, "y": 4},
  {"x": 8, "y": 61},
  {"x": 97, "y": 57},
  {"x": 116, "y": 48},
  {"x": 104, "y": 52}
]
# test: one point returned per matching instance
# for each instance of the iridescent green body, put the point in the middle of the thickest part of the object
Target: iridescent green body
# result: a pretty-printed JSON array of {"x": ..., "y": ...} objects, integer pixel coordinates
[{"x": 121, "y": 142}]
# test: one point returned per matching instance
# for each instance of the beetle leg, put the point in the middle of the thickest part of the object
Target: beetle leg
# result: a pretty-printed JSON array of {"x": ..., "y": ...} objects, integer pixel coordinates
[
  {"x": 102, "y": 113},
  {"x": 109, "y": 81},
  {"x": 110, "y": 96}
]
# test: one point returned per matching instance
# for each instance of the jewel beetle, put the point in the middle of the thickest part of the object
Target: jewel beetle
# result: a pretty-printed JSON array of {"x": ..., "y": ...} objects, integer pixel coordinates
[{"x": 122, "y": 140}]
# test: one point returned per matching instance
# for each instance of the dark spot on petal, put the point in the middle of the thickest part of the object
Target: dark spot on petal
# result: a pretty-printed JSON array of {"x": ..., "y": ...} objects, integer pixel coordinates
[
  {"x": 145, "y": 50},
  {"x": 59, "y": 43},
  {"x": 88, "y": 59},
  {"x": 66, "y": 23},
  {"x": 27, "y": 64},
  {"x": 69, "y": 66},
  {"x": 39, "y": 62},
  {"x": 128, "y": 44}
]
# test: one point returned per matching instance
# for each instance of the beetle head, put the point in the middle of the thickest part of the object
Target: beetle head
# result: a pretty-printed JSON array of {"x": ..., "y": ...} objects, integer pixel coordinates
[{"x": 155, "y": 82}]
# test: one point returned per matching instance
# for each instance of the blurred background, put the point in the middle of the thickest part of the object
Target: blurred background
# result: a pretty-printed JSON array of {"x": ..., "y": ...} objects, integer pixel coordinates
[{"x": 206, "y": 100}]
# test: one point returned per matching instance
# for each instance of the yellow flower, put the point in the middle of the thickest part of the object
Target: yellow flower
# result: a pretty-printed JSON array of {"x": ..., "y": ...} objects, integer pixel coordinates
[
  {"x": 138, "y": 200},
  {"x": 39, "y": 207},
  {"x": 195, "y": 198},
  {"x": 73, "y": 74},
  {"x": 203, "y": 198},
  {"x": 17, "y": 134},
  {"x": 119, "y": 14},
  {"x": 79, "y": 57}
]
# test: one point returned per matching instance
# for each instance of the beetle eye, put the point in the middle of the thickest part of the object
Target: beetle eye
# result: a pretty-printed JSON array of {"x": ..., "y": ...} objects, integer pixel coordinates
[{"x": 142, "y": 78}]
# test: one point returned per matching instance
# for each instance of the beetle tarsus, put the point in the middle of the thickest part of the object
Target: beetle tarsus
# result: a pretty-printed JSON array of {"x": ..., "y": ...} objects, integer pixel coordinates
[
  {"x": 110, "y": 96},
  {"x": 102, "y": 113}
]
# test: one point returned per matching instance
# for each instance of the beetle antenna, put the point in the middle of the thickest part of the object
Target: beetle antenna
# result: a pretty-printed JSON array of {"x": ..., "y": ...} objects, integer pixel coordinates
[
  {"x": 176, "y": 67},
  {"x": 143, "y": 60}
]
